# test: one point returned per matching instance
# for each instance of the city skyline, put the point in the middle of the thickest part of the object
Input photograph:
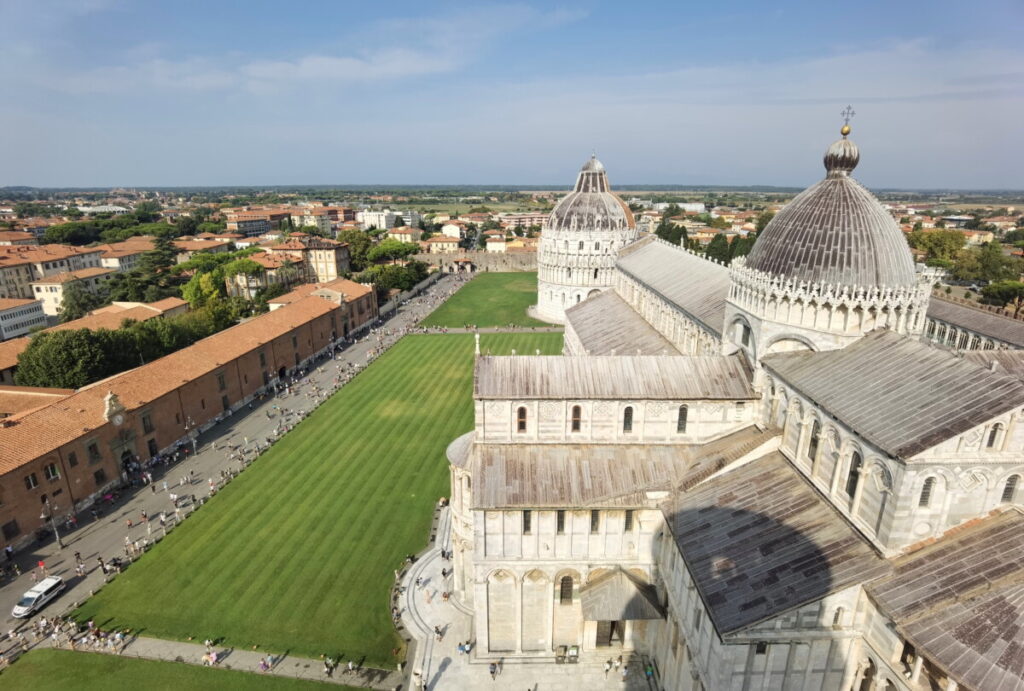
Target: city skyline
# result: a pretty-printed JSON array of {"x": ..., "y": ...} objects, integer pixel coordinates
[{"x": 111, "y": 93}]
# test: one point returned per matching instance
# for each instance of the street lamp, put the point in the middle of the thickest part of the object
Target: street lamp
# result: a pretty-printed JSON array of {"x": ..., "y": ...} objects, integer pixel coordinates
[
  {"x": 190, "y": 424},
  {"x": 53, "y": 523}
]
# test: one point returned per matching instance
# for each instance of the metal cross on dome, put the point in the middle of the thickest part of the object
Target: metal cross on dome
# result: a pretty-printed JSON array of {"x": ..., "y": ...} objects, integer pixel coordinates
[{"x": 847, "y": 114}]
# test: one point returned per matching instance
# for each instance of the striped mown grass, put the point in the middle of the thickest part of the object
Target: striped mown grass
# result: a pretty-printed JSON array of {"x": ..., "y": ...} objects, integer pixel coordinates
[
  {"x": 297, "y": 554},
  {"x": 490, "y": 299}
]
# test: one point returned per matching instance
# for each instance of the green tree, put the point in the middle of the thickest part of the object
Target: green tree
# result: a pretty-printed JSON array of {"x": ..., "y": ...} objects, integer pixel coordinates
[
  {"x": 718, "y": 249},
  {"x": 204, "y": 288},
  {"x": 359, "y": 244},
  {"x": 147, "y": 212},
  {"x": 391, "y": 250},
  {"x": 938, "y": 244},
  {"x": 77, "y": 301},
  {"x": 288, "y": 273},
  {"x": 61, "y": 359},
  {"x": 1005, "y": 293}
]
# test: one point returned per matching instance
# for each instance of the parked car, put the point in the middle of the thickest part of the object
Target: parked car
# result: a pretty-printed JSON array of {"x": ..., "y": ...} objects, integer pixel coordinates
[{"x": 38, "y": 597}]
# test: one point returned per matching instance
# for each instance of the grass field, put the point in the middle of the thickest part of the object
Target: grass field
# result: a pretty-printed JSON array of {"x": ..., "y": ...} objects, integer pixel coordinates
[
  {"x": 490, "y": 299},
  {"x": 297, "y": 554},
  {"x": 63, "y": 669}
]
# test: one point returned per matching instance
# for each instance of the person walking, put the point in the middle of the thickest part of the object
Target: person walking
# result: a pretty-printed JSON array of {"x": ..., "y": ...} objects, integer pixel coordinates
[
  {"x": 607, "y": 668},
  {"x": 493, "y": 669}
]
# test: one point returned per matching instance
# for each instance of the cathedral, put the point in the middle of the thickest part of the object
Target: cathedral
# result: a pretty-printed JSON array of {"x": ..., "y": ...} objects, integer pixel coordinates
[{"x": 766, "y": 475}]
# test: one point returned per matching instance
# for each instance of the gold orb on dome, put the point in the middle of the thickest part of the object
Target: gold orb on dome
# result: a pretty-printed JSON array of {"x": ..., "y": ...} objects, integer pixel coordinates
[{"x": 845, "y": 131}]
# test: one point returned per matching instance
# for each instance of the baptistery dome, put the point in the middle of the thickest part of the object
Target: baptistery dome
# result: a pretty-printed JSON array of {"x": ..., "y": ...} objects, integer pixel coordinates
[
  {"x": 835, "y": 232},
  {"x": 591, "y": 205},
  {"x": 579, "y": 242}
]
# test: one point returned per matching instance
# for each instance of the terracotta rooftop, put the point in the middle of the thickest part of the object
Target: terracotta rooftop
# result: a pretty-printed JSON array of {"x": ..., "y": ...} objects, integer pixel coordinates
[
  {"x": 10, "y": 350},
  {"x": 11, "y": 303},
  {"x": 350, "y": 289},
  {"x": 20, "y": 399},
  {"x": 69, "y": 276},
  {"x": 36, "y": 433}
]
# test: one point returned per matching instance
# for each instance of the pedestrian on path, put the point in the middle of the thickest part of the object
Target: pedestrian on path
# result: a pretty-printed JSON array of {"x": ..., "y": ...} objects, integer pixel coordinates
[
  {"x": 263, "y": 665},
  {"x": 618, "y": 663},
  {"x": 607, "y": 668},
  {"x": 493, "y": 669}
]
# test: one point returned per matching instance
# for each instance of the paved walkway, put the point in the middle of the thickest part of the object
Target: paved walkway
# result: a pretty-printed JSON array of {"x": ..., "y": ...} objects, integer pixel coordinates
[{"x": 439, "y": 663}]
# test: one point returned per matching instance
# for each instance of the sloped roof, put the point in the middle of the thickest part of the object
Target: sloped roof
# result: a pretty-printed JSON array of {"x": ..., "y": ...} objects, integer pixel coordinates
[
  {"x": 593, "y": 475},
  {"x": 916, "y": 397},
  {"x": 695, "y": 285},
  {"x": 760, "y": 541},
  {"x": 980, "y": 321},
  {"x": 648, "y": 377},
  {"x": 960, "y": 601},
  {"x": 1009, "y": 361},
  {"x": 616, "y": 596},
  {"x": 605, "y": 323}
]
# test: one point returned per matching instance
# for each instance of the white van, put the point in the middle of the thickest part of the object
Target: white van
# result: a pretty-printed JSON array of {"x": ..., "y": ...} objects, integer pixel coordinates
[{"x": 37, "y": 598}]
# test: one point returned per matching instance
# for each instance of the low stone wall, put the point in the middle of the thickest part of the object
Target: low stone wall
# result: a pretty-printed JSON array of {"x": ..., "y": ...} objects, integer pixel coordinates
[{"x": 482, "y": 260}]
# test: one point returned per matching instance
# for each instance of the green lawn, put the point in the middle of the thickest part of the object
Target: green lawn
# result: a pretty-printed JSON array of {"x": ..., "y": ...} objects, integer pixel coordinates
[
  {"x": 62, "y": 669},
  {"x": 297, "y": 554},
  {"x": 490, "y": 299}
]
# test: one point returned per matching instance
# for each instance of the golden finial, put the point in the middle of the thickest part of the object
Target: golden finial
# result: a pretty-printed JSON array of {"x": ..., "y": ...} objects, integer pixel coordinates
[{"x": 847, "y": 114}]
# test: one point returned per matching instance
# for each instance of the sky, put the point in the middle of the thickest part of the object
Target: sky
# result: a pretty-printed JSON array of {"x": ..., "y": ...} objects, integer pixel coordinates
[{"x": 252, "y": 92}]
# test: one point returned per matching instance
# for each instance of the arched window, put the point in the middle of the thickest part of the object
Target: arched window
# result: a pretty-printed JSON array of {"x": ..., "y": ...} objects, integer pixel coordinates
[
  {"x": 854, "y": 475},
  {"x": 581, "y": 244},
  {"x": 926, "y": 492},
  {"x": 1010, "y": 489},
  {"x": 627, "y": 419},
  {"x": 837, "y": 618},
  {"x": 595, "y": 274},
  {"x": 565, "y": 590},
  {"x": 577, "y": 416},
  {"x": 812, "y": 444},
  {"x": 570, "y": 272},
  {"x": 994, "y": 434},
  {"x": 597, "y": 245},
  {"x": 681, "y": 419},
  {"x": 521, "y": 420}
]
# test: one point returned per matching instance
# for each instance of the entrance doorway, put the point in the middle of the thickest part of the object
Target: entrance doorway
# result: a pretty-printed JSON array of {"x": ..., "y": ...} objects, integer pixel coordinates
[{"x": 609, "y": 633}]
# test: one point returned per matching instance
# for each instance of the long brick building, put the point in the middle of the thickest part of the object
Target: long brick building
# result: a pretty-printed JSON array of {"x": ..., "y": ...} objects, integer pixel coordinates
[{"x": 75, "y": 447}]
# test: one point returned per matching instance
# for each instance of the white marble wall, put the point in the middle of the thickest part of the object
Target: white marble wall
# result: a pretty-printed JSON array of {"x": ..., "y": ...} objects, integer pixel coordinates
[{"x": 602, "y": 421}]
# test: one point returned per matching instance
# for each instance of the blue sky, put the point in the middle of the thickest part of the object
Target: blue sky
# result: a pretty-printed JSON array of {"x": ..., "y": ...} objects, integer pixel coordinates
[{"x": 115, "y": 92}]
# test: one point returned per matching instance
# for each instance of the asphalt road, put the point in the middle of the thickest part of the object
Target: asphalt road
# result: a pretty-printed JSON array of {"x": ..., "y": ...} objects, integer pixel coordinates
[{"x": 105, "y": 537}]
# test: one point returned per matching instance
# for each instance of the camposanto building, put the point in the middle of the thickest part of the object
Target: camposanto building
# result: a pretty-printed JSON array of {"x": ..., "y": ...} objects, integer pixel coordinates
[{"x": 758, "y": 476}]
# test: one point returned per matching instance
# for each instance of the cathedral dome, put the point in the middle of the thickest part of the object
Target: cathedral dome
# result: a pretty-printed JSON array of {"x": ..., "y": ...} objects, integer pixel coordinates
[
  {"x": 835, "y": 232},
  {"x": 591, "y": 205}
]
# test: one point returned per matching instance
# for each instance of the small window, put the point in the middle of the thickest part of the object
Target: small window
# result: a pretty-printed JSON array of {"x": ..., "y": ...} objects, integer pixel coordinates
[
  {"x": 565, "y": 590},
  {"x": 627, "y": 419},
  {"x": 221, "y": 382},
  {"x": 100, "y": 476},
  {"x": 837, "y": 618},
  {"x": 263, "y": 359},
  {"x": 1010, "y": 489},
  {"x": 577, "y": 415},
  {"x": 993, "y": 436},
  {"x": 595, "y": 521},
  {"x": 147, "y": 424},
  {"x": 629, "y": 520},
  {"x": 94, "y": 452},
  {"x": 581, "y": 244},
  {"x": 527, "y": 522},
  {"x": 31, "y": 481},
  {"x": 521, "y": 420},
  {"x": 761, "y": 648},
  {"x": 745, "y": 336},
  {"x": 52, "y": 472},
  {"x": 560, "y": 522},
  {"x": 812, "y": 445},
  {"x": 72, "y": 459},
  {"x": 926, "y": 492},
  {"x": 698, "y": 618},
  {"x": 681, "y": 419},
  {"x": 11, "y": 530},
  {"x": 295, "y": 342},
  {"x": 595, "y": 274},
  {"x": 854, "y": 475}
]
